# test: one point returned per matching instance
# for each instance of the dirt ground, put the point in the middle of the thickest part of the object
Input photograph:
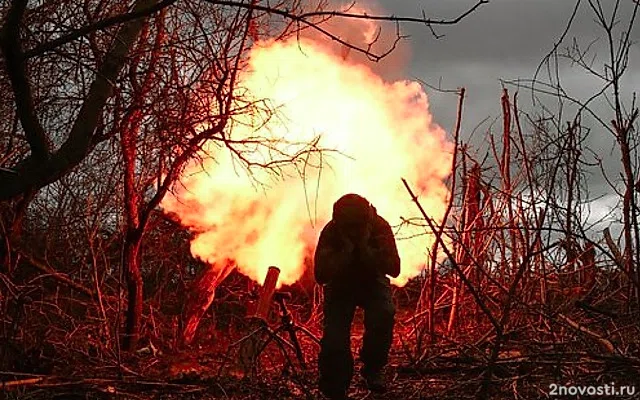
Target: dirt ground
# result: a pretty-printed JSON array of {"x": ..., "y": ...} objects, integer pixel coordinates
[{"x": 212, "y": 369}]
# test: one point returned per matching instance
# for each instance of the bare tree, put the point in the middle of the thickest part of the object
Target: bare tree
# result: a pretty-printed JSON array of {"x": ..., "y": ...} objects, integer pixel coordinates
[
  {"x": 119, "y": 28},
  {"x": 611, "y": 108},
  {"x": 145, "y": 74}
]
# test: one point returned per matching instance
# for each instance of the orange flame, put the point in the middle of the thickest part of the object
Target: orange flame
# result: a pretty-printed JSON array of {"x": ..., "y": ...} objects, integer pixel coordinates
[{"x": 382, "y": 131}]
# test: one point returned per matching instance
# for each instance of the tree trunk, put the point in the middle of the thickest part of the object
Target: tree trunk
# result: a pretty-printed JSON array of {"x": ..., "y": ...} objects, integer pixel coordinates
[
  {"x": 133, "y": 239},
  {"x": 131, "y": 263},
  {"x": 11, "y": 229},
  {"x": 201, "y": 296},
  {"x": 629, "y": 215},
  {"x": 41, "y": 167},
  {"x": 135, "y": 214}
]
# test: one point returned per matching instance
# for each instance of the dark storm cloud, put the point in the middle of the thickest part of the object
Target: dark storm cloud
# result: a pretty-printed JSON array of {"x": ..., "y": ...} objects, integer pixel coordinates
[
  {"x": 513, "y": 31},
  {"x": 505, "y": 39}
]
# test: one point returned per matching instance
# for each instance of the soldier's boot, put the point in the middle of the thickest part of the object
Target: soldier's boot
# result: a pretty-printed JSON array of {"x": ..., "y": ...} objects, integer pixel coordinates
[
  {"x": 333, "y": 394},
  {"x": 375, "y": 380},
  {"x": 379, "y": 314},
  {"x": 335, "y": 361}
]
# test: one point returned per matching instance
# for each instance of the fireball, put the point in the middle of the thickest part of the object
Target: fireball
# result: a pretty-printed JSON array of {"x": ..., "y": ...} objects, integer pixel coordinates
[{"x": 346, "y": 129}]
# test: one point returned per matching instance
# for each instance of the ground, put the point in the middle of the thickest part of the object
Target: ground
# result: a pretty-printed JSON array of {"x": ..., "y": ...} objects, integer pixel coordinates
[{"x": 215, "y": 367}]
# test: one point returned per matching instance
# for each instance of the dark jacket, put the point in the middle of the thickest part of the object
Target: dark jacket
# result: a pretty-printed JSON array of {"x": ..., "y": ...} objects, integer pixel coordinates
[{"x": 333, "y": 262}]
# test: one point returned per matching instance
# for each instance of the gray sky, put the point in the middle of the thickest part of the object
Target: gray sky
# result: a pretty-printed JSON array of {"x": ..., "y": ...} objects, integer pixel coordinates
[{"x": 507, "y": 39}]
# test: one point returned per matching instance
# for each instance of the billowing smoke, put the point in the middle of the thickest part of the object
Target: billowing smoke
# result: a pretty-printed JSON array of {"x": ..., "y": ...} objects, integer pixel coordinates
[{"x": 373, "y": 132}]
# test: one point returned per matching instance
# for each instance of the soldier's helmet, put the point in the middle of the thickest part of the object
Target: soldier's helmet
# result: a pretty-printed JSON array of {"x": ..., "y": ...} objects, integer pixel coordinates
[{"x": 352, "y": 211}]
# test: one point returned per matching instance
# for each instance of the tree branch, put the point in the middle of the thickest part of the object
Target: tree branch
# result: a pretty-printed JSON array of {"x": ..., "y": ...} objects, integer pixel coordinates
[
  {"x": 304, "y": 19},
  {"x": 16, "y": 69},
  {"x": 138, "y": 13},
  {"x": 34, "y": 172},
  {"x": 423, "y": 19}
]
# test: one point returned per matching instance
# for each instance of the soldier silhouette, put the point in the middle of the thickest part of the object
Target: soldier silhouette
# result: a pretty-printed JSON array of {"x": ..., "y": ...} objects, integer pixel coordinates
[{"x": 355, "y": 253}]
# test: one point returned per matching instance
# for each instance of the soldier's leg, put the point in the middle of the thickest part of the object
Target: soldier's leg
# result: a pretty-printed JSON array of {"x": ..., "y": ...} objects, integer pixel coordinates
[
  {"x": 335, "y": 362},
  {"x": 379, "y": 312}
]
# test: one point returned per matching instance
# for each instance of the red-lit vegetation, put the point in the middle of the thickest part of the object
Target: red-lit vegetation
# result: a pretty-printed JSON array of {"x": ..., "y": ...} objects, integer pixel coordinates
[{"x": 101, "y": 296}]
